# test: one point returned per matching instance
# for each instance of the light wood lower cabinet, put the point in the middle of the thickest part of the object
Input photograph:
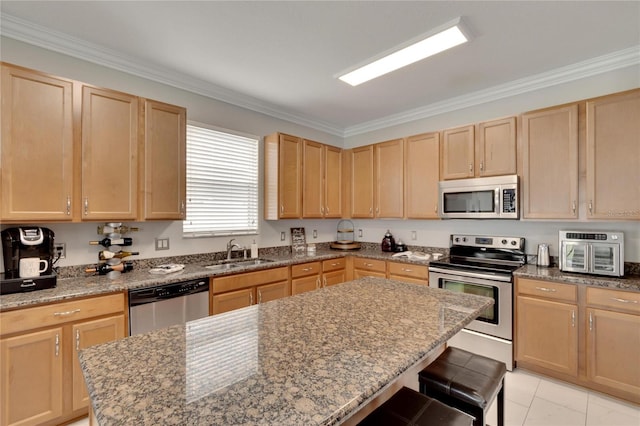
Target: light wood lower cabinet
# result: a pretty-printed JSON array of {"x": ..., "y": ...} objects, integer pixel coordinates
[
  {"x": 306, "y": 277},
  {"x": 241, "y": 290},
  {"x": 408, "y": 272},
  {"x": 334, "y": 271},
  {"x": 586, "y": 335},
  {"x": 369, "y": 268},
  {"x": 41, "y": 381}
]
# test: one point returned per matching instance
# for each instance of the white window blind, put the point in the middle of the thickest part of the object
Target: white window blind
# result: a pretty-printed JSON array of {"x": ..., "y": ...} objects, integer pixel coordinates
[{"x": 222, "y": 183}]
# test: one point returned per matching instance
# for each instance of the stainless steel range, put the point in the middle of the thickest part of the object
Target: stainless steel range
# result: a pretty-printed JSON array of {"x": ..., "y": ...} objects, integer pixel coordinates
[{"x": 483, "y": 265}]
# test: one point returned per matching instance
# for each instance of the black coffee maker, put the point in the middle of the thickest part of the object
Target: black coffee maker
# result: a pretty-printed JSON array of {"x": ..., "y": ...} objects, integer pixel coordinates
[{"x": 23, "y": 243}]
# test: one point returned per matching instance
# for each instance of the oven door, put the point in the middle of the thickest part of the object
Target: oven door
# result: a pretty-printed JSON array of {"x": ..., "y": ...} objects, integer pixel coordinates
[{"x": 497, "y": 319}]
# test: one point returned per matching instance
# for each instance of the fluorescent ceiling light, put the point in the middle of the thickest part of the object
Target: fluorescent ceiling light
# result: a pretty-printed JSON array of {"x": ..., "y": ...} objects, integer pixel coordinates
[{"x": 427, "y": 45}]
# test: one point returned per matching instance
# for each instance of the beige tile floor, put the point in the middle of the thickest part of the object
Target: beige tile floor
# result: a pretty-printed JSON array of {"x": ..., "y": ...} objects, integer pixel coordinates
[{"x": 533, "y": 400}]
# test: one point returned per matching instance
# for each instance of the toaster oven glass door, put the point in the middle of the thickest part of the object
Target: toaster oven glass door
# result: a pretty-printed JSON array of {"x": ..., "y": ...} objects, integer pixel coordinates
[
  {"x": 604, "y": 258},
  {"x": 575, "y": 256}
]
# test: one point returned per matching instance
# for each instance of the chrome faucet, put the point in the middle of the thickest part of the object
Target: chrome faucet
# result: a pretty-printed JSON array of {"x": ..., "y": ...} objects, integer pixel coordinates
[{"x": 230, "y": 246}]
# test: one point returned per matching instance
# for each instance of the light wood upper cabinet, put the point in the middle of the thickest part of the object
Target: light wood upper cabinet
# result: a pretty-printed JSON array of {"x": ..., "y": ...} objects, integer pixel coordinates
[
  {"x": 362, "y": 182},
  {"x": 613, "y": 157},
  {"x": 377, "y": 180},
  {"x": 549, "y": 149},
  {"x": 163, "y": 165},
  {"x": 496, "y": 148},
  {"x": 422, "y": 173},
  {"x": 389, "y": 179},
  {"x": 109, "y": 154},
  {"x": 458, "y": 150},
  {"x": 488, "y": 149},
  {"x": 322, "y": 180},
  {"x": 282, "y": 177},
  {"x": 37, "y": 146}
]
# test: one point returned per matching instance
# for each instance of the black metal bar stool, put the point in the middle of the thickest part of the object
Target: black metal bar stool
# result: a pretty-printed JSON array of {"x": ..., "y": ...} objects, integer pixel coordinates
[
  {"x": 466, "y": 381},
  {"x": 410, "y": 408}
]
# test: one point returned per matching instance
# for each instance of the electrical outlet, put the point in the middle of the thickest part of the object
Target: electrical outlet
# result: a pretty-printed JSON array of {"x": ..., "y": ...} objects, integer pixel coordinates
[
  {"x": 162, "y": 244},
  {"x": 360, "y": 233},
  {"x": 283, "y": 235},
  {"x": 315, "y": 233},
  {"x": 60, "y": 250},
  {"x": 414, "y": 235}
]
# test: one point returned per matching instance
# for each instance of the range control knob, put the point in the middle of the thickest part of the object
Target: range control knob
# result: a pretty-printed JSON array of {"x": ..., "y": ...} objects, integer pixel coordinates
[
  {"x": 514, "y": 242},
  {"x": 504, "y": 242}
]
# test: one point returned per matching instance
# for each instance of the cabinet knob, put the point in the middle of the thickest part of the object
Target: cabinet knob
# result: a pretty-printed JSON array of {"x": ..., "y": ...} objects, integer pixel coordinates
[
  {"x": 481, "y": 166},
  {"x": 470, "y": 167},
  {"x": 590, "y": 206}
]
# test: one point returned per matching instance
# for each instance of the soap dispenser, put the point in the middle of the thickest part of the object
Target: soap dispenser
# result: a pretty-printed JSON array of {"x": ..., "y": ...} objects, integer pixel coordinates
[{"x": 388, "y": 243}]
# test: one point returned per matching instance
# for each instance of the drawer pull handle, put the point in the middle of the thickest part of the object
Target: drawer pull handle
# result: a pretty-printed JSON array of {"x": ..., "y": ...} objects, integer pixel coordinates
[
  {"x": 407, "y": 270},
  {"x": 250, "y": 299},
  {"x": 57, "y": 344},
  {"x": 549, "y": 290},
  {"x": 335, "y": 264},
  {"x": 66, "y": 313},
  {"x": 573, "y": 318},
  {"x": 307, "y": 269},
  {"x": 259, "y": 296},
  {"x": 77, "y": 340},
  {"x": 368, "y": 265},
  {"x": 590, "y": 321},
  {"x": 623, "y": 300}
]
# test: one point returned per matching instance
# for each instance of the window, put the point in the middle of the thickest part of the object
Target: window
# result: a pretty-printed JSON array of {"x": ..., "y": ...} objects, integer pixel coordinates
[{"x": 222, "y": 183}]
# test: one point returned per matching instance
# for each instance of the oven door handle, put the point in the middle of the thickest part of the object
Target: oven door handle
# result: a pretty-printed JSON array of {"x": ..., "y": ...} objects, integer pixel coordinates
[{"x": 461, "y": 273}]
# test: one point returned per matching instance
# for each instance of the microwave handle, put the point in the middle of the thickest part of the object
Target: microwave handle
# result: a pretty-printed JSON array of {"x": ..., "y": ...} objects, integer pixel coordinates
[
  {"x": 589, "y": 256},
  {"x": 497, "y": 201}
]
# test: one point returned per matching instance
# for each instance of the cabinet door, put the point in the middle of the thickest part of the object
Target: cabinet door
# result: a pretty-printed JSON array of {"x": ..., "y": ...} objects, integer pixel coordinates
[
  {"x": 109, "y": 154},
  {"x": 232, "y": 300},
  {"x": 422, "y": 173},
  {"x": 550, "y": 163},
  {"x": 290, "y": 177},
  {"x": 31, "y": 380},
  {"x": 334, "y": 277},
  {"x": 301, "y": 285},
  {"x": 87, "y": 334},
  {"x": 312, "y": 181},
  {"x": 268, "y": 292},
  {"x": 37, "y": 146},
  {"x": 458, "y": 150},
  {"x": 332, "y": 182},
  {"x": 496, "y": 148},
  {"x": 547, "y": 334},
  {"x": 389, "y": 179},
  {"x": 613, "y": 345},
  {"x": 362, "y": 182},
  {"x": 613, "y": 153},
  {"x": 163, "y": 170}
]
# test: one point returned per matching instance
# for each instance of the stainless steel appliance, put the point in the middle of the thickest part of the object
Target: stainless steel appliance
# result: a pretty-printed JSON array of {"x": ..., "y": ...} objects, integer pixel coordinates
[
  {"x": 482, "y": 198},
  {"x": 153, "y": 308},
  {"x": 483, "y": 265},
  {"x": 543, "y": 255},
  {"x": 27, "y": 244},
  {"x": 592, "y": 252}
]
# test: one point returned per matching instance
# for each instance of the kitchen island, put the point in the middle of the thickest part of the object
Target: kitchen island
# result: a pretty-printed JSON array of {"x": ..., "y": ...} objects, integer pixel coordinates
[{"x": 315, "y": 358}]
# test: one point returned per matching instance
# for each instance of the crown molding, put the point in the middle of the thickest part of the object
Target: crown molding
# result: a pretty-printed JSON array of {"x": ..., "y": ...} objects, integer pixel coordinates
[
  {"x": 610, "y": 62},
  {"x": 40, "y": 36},
  {"x": 28, "y": 32}
]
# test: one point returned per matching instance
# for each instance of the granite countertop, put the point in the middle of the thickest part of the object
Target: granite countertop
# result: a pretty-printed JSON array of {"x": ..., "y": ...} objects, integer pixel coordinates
[
  {"x": 68, "y": 288},
  {"x": 309, "y": 359},
  {"x": 630, "y": 283}
]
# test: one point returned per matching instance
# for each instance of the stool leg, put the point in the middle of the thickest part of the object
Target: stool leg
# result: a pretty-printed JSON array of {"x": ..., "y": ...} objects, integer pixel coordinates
[{"x": 501, "y": 405}]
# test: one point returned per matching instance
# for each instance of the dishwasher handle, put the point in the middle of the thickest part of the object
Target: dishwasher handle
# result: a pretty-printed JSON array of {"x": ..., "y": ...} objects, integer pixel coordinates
[{"x": 167, "y": 291}]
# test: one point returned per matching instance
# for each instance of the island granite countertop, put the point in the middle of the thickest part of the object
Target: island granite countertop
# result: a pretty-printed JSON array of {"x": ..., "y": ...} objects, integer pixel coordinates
[{"x": 310, "y": 359}]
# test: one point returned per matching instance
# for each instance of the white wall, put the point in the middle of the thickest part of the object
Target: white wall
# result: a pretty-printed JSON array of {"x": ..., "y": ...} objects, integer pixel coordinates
[{"x": 206, "y": 110}]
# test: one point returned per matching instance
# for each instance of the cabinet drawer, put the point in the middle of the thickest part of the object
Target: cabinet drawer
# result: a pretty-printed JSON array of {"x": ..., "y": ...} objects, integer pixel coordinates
[
  {"x": 249, "y": 279},
  {"x": 333, "y": 264},
  {"x": 369, "y": 264},
  {"x": 547, "y": 289},
  {"x": 60, "y": 313},
  {"x": 615, "y": 299},
  {"x": 408, "y": 270},
  {"x": 305, "y": 269}
]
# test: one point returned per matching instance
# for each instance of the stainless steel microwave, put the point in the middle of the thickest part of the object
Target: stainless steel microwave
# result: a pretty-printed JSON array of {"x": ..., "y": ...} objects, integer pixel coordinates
[
  {"x": 592, "y": 252},
  {"x": 481, "y": 198}
]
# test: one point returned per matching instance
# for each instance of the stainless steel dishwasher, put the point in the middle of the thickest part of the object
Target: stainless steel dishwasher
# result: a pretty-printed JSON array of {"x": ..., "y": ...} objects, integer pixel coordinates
[{"x": 162, "y": 306}]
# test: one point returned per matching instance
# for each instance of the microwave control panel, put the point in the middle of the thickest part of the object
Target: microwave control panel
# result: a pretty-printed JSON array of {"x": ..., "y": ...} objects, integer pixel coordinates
[{"x": 509, "y": 201}]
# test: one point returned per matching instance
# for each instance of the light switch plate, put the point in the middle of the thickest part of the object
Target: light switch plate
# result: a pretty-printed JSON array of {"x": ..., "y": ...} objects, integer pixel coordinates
[
  {"x": 162, "y": 244},
  {"x": 283, "y": 235}
]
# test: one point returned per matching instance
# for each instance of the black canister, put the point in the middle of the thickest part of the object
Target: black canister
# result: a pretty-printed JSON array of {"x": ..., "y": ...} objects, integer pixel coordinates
[{"x": 388, "y": 243}]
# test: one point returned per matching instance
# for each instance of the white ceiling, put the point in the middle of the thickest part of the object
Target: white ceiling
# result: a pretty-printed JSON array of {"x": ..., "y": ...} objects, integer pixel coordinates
[{"x": 282, "y": 57}]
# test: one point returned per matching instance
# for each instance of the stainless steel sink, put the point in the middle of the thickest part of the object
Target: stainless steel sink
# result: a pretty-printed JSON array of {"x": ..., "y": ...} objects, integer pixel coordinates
[{"x": 237, "y": 264}]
